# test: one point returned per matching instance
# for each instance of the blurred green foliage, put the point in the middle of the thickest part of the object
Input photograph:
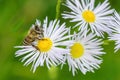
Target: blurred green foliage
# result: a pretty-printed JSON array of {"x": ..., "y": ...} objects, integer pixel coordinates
[{"x": 16, "y": 17}]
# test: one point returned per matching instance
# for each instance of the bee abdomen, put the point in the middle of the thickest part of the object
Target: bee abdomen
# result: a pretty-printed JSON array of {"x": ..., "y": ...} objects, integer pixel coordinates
[{"x": 28, "y": 40}]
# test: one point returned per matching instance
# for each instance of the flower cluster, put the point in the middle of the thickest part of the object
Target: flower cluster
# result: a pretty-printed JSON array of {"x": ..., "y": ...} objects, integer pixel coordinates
[{"x": 52, "y": 43}]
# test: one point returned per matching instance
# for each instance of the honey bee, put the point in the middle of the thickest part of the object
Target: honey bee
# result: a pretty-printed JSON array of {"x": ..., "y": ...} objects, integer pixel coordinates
[{"x": 35, "y": 33}]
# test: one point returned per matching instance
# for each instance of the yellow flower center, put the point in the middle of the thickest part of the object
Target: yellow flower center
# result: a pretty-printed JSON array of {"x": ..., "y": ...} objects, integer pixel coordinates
[
  {"x": 44, "y": 44},
  {"x": 88, "y": 16},
  {"x": 77, "y": 50}
]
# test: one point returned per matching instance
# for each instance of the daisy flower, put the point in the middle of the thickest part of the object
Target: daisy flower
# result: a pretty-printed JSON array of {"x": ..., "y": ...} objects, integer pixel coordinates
[
  {"x": 86, "y": 15},
  {"x": 84, "y": 53},
  {"x": 116, "y": 35},
  {"x": 50, "y": 48}
]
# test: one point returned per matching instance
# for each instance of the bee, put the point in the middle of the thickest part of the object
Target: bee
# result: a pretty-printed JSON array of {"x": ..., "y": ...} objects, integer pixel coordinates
[{"x": 35, "y": 33}]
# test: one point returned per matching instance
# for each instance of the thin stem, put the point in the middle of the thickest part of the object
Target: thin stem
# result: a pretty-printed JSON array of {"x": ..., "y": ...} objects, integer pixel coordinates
[{"x": 58, "y": 8}]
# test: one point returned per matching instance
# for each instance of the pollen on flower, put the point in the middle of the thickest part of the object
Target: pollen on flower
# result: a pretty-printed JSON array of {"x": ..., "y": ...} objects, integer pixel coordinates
[
  {"x": 88, "y": 16},
  {"x": 77, "y": 50},
  {"x": 44, "y": 44}
]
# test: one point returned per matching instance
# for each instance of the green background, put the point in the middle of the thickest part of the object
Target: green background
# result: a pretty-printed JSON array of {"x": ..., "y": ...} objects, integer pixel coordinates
[{"x": 16, "y": 17}]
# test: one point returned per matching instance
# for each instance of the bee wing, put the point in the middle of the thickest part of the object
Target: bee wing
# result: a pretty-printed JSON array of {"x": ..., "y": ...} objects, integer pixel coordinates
[{"x": 35, "y": 28}]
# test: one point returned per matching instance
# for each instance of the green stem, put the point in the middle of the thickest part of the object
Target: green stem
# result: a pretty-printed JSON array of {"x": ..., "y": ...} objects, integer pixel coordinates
[{"x": 58, "y": 8}]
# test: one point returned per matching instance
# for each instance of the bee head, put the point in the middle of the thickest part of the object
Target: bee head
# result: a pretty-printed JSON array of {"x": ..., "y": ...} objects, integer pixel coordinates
[{"x": 37, "y": 28}]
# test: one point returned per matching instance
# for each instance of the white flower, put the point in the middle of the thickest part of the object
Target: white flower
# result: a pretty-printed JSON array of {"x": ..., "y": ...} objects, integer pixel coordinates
[
  {"x": 84, "y": 53},
  {"x": 88, "y": 16},
  {"x": 116, "y": 35},
  {"x": 50, "y": 49}
]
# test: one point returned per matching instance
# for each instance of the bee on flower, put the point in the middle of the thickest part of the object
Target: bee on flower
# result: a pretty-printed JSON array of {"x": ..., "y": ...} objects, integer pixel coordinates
[{"x": 46, "y": 47}]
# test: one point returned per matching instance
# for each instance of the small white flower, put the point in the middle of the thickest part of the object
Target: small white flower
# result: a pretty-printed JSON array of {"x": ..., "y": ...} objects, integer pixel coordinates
[
  {"x": 116, "y": 35},
  {"x": 51, "y": 49},
  {"x": 84, "y": 53},
  {"x": 87, "y": 15}
]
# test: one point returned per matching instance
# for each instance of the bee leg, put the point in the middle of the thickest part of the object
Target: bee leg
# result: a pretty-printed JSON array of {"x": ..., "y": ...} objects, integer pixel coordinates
[
  {"x": 35, "y": 46},
  {"x": 37, "y": 38},
  {"x": 40, "y": 38}
]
